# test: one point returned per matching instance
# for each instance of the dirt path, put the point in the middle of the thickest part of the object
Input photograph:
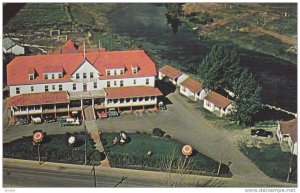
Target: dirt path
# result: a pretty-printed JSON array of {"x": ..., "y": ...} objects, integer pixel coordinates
[{"x": 282, "y": 38}]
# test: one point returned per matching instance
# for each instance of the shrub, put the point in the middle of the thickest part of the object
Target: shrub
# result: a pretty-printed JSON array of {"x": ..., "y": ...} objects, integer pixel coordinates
[
  {"x": 158, "y": 132},
  {"x": 168, "y": 136}
]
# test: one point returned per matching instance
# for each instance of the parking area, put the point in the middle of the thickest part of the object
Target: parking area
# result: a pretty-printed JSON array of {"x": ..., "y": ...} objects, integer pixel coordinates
[{"x": 181, "y": 120}]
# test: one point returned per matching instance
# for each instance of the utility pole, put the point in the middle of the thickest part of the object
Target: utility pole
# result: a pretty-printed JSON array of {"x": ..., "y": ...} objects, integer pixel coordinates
[
  {"x": 39, "y": 154},
  {"x": 85, "y": 145},
  {"x": 220, "y": 164},
  {"x": 93, "y": 170}
]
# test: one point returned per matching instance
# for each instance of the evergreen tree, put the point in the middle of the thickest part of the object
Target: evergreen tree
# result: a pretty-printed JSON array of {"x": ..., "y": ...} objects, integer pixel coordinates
[
  {"x": 220, "y": 67},
  {"x": 247, "y": 98}
]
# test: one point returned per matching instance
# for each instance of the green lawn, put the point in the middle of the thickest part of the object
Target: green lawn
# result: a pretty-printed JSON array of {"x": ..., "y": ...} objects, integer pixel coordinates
[
  {"x": 134, "y": 154},
  {"x": 272, "y": 161},
  {"x": 54, "y": 148}
]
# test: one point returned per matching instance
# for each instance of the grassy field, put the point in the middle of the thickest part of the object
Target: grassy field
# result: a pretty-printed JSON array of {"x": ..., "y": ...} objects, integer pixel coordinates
[
  {"x": 36, "y": 16},
  {"x": 273, "y": 162},
  {"x": 266, "y": 28},
  {"x": 54, "y": 148},
  {"x": 134, "y": 154}
]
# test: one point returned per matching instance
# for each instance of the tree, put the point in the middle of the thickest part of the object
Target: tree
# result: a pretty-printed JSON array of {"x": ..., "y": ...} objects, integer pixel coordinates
[
  {"x": 174, "y": 12},
  {"x": 220, "y": 67},
  {"x": 247, "y": 98}
]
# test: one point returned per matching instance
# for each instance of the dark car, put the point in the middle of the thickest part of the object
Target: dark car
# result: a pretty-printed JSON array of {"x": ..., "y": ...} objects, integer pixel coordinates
[
  {"x": 49, "y": 118},
  {"x": 261, "y": 133},
  {"x": 23, "y": 121}
]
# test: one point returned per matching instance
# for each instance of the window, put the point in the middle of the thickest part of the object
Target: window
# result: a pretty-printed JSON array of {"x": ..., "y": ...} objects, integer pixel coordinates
[
  {"x": 77, "y": 76},
  {"x": 121, "y": 83},
  {"x": 17, "y": 90},
  {"x": 141, "y": 98},
  {"x": 74, "y": 86},
  {"x": 153, "y": 98},
  {"x": 121, "y": 100},
  {"x": 30, "y": 108},
  {"x": 134, "y": 70},
  {"x": 60, "y": 75},
  {"x": 31, "y": 76},
  {"x": 147, "y": 81},
  {"x": 107, "y": 84},
  {"x": 115, "y": 72},
  {"x": 46, "y": 88},
  {"x": 108, "y": 101},
  {"x": 134, "y": 81},
  {"x": 115, "y": 100},
  {"x": 45, "y": 76},
  {"x": 32, "y": 89},
  {"x": 127, "y": 100},
  {"x": 53, "y": 87},
  {"x": 53, "y": 77},
  {"x": 134, "y": 99},
  {"x": 108, "y": 72},
  {"x": 208, "y": 103},
  {"x": 146, "y": 98},
  {"x": 91, "y": 75},
  {"x": 84, "y": 75},
  {"x": 122, "y": 71},
  {"x": 115, "y": 83},
  {"x": 60, "y": 87},
  {"x": 95, "y": 84}
]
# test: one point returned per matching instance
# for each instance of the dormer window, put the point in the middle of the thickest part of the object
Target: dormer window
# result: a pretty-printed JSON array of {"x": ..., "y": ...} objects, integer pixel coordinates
[
  {"x": 108, "y": 72},
  {"x": 135, "y": 69},
  {"x": 60, "y": 75},
  {"x": 46, "y": 76},
  {"x": 121, "y": 71},
  {"x": 31, "y": 76}
]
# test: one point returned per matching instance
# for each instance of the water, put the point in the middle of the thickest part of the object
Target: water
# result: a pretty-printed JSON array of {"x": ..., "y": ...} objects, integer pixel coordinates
[{"x": 147, "y": 25}]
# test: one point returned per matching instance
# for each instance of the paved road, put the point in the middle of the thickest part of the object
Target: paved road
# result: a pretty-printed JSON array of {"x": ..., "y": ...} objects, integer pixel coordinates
[
  {"x": 182, "y": 122},
  {"x": 22, "y": 173}
]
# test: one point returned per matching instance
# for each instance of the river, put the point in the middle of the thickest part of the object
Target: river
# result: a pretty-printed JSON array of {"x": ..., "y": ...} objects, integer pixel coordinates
[{"x": 147, "y": 25}]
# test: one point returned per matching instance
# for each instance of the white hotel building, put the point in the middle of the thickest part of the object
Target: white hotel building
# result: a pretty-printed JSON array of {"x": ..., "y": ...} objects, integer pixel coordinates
[{"x": 59, "y": 84}]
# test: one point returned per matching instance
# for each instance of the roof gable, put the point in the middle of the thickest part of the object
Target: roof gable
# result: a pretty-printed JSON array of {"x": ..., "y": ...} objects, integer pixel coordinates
[
  {"x": 85, "y": 66},
  {"x": 170, "y": 71},
  {"x": 217, "y": 99},
  {"x": 192, "y": 85}
]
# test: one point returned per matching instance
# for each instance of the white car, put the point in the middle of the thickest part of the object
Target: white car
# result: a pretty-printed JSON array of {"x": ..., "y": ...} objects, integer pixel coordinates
[{"x": 36, "y": 120}]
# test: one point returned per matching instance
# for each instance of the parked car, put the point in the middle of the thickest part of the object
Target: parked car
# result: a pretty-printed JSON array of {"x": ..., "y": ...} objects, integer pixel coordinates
[
  {"x": 112, "y": 112},
  {"x": 102, "y": 114},
  {"x": 69, "y": 122},
  {"x": 49, "y": 118},
  {"x": 23, "y": 121},
  {"x": 36, "y": 120},
  {"x": 261, "y": 133}
]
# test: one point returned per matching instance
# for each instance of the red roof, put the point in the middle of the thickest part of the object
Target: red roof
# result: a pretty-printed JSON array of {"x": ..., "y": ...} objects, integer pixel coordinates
[
  {"x": 71, "y": 47},
  {"x": 38, "y": 99},
  {"x": 170, "y": 72},
  {"x": 192, "y": 85},
  {"x": 217, "y": 99},
  {"x": 129, "y": 92},
  {"x": 289, "y": 127},
  {"x": 70, "y": 62}
]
